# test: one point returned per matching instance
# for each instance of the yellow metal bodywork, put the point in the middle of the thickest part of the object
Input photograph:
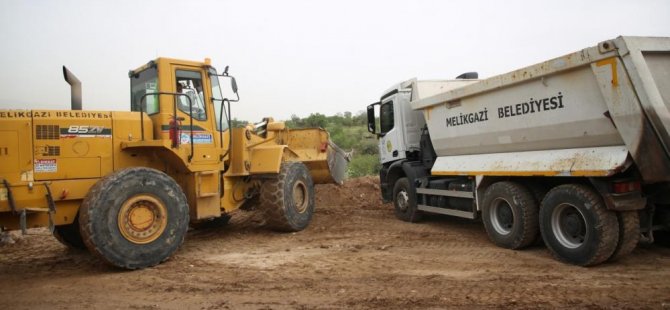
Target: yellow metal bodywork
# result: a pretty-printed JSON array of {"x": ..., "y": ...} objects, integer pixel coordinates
[{"x": 67, "y": 152}]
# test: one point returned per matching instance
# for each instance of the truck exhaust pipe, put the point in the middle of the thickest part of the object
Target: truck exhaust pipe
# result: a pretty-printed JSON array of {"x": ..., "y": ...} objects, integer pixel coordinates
[{"x": 75, "y": 89}]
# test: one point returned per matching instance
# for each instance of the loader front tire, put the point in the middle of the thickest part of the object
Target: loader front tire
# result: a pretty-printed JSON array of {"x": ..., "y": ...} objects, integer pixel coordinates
[
  {"x": 288, "y": 199},
  {"x": 134, "y": 218}
]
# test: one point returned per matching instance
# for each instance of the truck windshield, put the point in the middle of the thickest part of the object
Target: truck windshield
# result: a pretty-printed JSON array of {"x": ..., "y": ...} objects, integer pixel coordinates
[
  {"x": 386, "y": 117},
  {"x": 221, "y": 119},
  {"x": 143, "y": 83}
]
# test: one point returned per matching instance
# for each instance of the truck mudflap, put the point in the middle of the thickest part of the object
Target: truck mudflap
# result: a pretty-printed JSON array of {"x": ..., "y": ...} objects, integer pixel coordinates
[{"x": 584, "y": 162}]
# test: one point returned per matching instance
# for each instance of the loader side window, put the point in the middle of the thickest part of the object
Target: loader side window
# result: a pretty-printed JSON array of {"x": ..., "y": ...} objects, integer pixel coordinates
[
  {"x": 190, "y": 84},
  {"x": 142, "y": 83},
  {"x": 386, "y": 117}
]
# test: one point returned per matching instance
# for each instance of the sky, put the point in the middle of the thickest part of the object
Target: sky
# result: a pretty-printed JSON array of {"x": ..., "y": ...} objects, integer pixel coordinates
[{"x": 295, "y": 57}]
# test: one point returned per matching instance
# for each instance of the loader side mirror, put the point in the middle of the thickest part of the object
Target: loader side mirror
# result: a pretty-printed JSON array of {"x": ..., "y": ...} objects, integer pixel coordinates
[{"x": 233, "y": 83}]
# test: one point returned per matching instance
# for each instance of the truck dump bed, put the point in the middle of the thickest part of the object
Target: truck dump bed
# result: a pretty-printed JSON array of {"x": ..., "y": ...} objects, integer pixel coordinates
[{"x": 581, "y": 114}]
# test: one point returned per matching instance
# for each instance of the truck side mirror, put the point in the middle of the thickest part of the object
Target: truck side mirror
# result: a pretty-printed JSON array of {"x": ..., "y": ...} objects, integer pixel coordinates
[{"x": 372, "y": 124}]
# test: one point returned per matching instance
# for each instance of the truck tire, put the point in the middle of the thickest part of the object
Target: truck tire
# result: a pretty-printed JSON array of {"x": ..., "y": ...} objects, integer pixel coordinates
[
  {"x": 510, "y": 215},
  {"x": 629, "y": 234},
  {"x": 69, "y": 235},
  {"x": 288, "y": 199},
  {"x": 576, "y": 226},
  {"x": 404, "y": 202},
  {"x": 538, "y": 190},
  {"x": 134, "y": 218}
]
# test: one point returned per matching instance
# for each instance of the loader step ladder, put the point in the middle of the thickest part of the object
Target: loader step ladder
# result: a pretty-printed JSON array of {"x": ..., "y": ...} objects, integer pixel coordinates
[{"x": 23, "y": 213}]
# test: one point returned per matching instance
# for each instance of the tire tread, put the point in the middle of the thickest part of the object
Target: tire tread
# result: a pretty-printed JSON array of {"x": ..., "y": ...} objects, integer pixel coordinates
[{"x": 608, "y": 228}]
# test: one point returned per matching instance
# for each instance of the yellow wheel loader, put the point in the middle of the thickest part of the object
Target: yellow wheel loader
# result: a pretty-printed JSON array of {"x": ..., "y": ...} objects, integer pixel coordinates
[{"x": 126, "y": 185}]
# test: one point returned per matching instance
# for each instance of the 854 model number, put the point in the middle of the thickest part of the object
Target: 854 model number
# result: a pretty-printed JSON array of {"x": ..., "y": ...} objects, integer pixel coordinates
[{"x": 86, "y": 131}]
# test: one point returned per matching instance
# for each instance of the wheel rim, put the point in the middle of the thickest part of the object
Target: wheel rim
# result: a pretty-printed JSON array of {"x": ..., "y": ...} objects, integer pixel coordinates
[
  {"x": 502, "y": 216},
  {"x": 142, "y": 219},
  {"x": 569, "y": 226},
  {"x": 300, "y": 196},
  {"x": 402, "y": 199}
]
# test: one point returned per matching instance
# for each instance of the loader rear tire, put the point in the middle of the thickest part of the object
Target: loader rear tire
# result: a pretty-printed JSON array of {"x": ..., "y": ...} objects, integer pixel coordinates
[
  {"x": 577, "y": 227},
  {"x": 69, "y": 235},
  {"x": 288, "y": 199},
  {"x": 134, "y": 218},
  {"x": 629, "y": 234},
  {"x": 510, "y": 215}
]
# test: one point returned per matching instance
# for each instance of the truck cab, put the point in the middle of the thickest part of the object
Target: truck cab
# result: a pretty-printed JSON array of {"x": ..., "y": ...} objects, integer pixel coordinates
[
  {"x": 404, "y": 143},
  {"x": 399, "y": 126}
]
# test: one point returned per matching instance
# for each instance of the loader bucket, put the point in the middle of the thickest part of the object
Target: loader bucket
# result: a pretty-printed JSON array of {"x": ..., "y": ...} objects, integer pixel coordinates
[{"x": 327, "y": 163}]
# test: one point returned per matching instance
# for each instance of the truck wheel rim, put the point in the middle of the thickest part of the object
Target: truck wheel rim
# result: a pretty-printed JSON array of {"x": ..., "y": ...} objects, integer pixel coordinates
[
  {"x": 300, "y": 196},
  {"x": 402, "y": 200},
  {"x": 502, "y": 216},
  {"x": 569, "y": 226},
  {"x": 142, "y": 219}
]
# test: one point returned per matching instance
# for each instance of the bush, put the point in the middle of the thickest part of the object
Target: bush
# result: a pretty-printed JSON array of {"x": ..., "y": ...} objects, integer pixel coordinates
[{"x": 363, "y": 165}]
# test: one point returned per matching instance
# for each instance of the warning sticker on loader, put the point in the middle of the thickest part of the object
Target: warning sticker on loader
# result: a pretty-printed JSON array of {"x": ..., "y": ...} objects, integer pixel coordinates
[
  {"x": 198, "y": 138},
  {"x": 45, "y": 165}
]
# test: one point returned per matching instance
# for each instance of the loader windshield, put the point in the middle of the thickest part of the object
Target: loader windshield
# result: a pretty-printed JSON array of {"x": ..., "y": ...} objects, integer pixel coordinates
[{"x": 143, "y": 83}]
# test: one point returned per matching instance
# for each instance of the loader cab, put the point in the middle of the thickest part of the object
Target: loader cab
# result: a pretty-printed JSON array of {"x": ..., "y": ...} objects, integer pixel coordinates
[
  {"x": 398, "y": 129},
  {"x": 183, "y": 100}
]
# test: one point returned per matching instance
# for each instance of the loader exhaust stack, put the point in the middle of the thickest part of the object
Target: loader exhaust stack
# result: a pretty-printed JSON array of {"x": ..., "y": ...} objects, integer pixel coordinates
[{"x": 75, "y": 88}]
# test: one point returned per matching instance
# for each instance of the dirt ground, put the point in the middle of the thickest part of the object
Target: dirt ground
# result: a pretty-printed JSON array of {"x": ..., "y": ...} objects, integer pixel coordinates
[{"x": 355, "y": 254}]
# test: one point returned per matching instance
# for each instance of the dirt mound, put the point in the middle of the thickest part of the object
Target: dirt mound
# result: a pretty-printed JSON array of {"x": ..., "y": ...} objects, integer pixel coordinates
[{"x": 359, "y": 193}]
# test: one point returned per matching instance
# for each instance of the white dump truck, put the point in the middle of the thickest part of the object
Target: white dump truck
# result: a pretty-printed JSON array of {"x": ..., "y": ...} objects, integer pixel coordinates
[{"x": 575, "y": 149}]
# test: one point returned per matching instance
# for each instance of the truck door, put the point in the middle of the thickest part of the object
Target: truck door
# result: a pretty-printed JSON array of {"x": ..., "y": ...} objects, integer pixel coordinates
[
  {"x": 195, "y": 106},
  {"x": 390, "y": 141}
]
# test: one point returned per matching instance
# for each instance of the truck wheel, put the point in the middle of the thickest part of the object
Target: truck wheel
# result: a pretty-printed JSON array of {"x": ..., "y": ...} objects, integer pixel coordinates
[
  {"x": 288, "y": 199},
  {"x": 538, "y": 190},
  {"x": 509, "y": 213},
  {"x": 576, "y": 226},
  {"x": 629, "y": 234},
  {"x": 134, "y": 218},
  {"x": 69, "y": 235},
  {"x": 405, "y": 202}
]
